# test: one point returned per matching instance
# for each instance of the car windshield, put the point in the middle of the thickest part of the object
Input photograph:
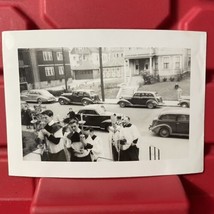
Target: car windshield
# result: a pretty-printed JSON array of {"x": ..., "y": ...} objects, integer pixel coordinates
[{"x": 100, "y": 110}]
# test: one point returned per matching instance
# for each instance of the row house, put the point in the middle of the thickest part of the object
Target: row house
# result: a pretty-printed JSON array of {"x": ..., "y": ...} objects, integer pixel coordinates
[{"x": 44, "y": 67}]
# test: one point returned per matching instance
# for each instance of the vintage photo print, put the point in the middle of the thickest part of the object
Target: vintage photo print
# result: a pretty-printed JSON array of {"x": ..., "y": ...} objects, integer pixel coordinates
[{"x": 104, "y": 103}]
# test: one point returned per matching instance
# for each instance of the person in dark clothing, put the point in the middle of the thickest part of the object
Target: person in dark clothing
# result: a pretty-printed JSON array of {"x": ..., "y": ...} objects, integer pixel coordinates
[
  {"x": 71, "y": 114},
  {"x": 80, "y": 151},
  {"x": 53, "y": 137},
  {"x": 79, "y": 148},
  {"x": 26, "y": 116}
]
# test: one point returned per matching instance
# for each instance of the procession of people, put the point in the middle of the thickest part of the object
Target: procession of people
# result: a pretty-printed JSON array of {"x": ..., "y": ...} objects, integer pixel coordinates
[{"x": 69, "y": 140}]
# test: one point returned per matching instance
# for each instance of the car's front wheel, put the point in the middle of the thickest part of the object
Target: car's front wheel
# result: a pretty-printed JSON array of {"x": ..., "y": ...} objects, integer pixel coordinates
[
  {"x": 164, "y": 132},
  {"x": 150, "y": 105},
  {"x": 122, "y": 104}
]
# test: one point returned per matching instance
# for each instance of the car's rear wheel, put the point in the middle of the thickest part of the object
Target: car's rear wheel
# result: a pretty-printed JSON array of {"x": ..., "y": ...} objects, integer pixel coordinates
[
  {"x": 150, "y": 105},
  {"x": 63, "y": 102},
  {"x": 184, "y": 105},
  {"x": 122, "y": 104},
  {"x": 164, "y": 132},
  {"x": 85, "y": 102}
]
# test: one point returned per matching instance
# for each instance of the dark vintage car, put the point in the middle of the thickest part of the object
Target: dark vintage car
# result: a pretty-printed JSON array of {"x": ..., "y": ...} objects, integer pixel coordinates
[
  {"x": 37, "y": 95},
  {"x": 171, "y": 122},
  {"x": 96, "y": 116},
  {"x": 84, "y": 97},
  {"x": 184, "y": 102},
  {"x": 147, "y": 99}
]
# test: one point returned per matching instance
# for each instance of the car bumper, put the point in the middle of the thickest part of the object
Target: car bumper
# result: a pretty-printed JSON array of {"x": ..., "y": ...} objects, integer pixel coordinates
[
  {"x": 97, "y": 102},
  {"x": 51, "y": 100}
]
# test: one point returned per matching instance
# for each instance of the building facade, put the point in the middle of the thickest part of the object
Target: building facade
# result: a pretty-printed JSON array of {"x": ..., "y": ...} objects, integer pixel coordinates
[
  {"x": 161, "y": 63},
  {"x": 85, "y": 63},
  {"x": 44, "y": 67}
]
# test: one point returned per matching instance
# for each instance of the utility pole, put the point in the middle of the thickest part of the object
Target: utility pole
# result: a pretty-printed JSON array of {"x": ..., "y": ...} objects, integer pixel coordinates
[
  {"x": 101, "y": 74},
  {"x": 65, "y": 75}
]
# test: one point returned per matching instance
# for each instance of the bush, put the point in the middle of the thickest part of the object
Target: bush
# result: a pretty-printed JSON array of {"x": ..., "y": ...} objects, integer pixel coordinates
[
  {"x": 164, "y": 79},
  {"x": 171, "y": 79}
]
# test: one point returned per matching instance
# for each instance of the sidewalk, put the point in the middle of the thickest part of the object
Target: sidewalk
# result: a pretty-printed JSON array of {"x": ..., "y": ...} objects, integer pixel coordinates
[{"x": 166, "y": 103}]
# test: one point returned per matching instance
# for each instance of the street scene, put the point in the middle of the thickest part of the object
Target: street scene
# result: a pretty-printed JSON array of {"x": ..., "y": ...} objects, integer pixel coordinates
[{"x": 143, "y": 93}]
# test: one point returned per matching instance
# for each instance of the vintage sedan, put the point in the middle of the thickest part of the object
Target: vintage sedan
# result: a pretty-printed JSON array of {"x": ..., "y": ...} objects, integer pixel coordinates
[
  {"x": 37, "y": 95},
  {"x": 147, "y": 99},
  {"x": 171, "y": 122},
  {"x": 83, "y": 96},
  {"x": 96, "y": 116}
]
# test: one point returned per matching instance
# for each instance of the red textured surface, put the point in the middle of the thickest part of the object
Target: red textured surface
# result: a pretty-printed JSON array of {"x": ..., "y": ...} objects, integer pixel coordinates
[
  {"x": 110, "y": 196},
  {"x": 17, "y": 194}
]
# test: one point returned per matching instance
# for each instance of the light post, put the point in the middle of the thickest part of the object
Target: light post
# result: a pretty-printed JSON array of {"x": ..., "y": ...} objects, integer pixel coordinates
[
  {"x": 65, "y": 75},
  {"x": 101, "y": 75}
]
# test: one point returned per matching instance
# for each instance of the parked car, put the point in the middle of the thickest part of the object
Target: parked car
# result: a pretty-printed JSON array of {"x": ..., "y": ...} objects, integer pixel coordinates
[
  {"x": 148, "y": 99},
  {"x": 84, "y": 97},
  {"x": 184, "y": 101},
  {"x": 37, "y": 95},
  {"x": 171, "y": 122},
  {"x": 96, "y": 116}
]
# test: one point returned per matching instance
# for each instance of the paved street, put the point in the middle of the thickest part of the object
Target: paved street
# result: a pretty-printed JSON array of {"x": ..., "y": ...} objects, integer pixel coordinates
[{"x": 170, "y": 148}]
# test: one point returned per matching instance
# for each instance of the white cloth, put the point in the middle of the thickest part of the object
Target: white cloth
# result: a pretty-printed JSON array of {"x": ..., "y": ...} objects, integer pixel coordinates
[{"x": 115, "y": 136}]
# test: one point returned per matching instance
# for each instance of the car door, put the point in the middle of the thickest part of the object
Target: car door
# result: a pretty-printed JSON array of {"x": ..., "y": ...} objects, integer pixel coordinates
[
  {"x": 136, "y": 99},
  {"x": 169, "y": 120},
  {"x": 76, "y": 97},
  {"x": 92, "y": 118},
  {"x": 182, "y": 124}
]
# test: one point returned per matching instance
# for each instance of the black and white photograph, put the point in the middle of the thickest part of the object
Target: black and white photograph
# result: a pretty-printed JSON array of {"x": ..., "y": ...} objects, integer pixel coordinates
[{"x": 104, "y": 107}]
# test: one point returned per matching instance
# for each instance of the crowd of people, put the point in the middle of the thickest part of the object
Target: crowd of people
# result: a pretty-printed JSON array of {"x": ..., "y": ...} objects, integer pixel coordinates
[{"x": 70, "y": 140}]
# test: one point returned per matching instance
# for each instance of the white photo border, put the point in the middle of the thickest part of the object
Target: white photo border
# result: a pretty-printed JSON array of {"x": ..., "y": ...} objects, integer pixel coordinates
[{"x": 14, "y": 40}]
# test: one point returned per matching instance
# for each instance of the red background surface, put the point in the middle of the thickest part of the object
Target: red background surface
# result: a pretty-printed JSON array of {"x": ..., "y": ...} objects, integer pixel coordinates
[{"x": 166, "y": 194}]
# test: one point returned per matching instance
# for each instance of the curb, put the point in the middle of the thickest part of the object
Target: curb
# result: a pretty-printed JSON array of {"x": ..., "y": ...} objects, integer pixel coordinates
[{"x": 165, "y": 105}]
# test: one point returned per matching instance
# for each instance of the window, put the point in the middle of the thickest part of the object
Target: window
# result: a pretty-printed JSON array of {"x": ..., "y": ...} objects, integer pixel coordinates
[
  {"x": 85, "y": 94},
  {"x": 92, "y": 112},
  {"x": 136, "y": 95},
  {"x": 166, "y": 65},
  {"x": 49, "y": 71},
  {"x": 156, "y": 66},
  {"x": 177, "y": 62},
  {"x": 59, "y": 56},
  {"x": 189, "y": 62},
  {"x": 61, "y": 70},
  {"x": 177, "y": 65},
  {"x": 183, "y": 118},
  {"x": 166, "y": 62},
  {"x": 47, "y": 56},
  {"x": 168, "y": 117}
]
